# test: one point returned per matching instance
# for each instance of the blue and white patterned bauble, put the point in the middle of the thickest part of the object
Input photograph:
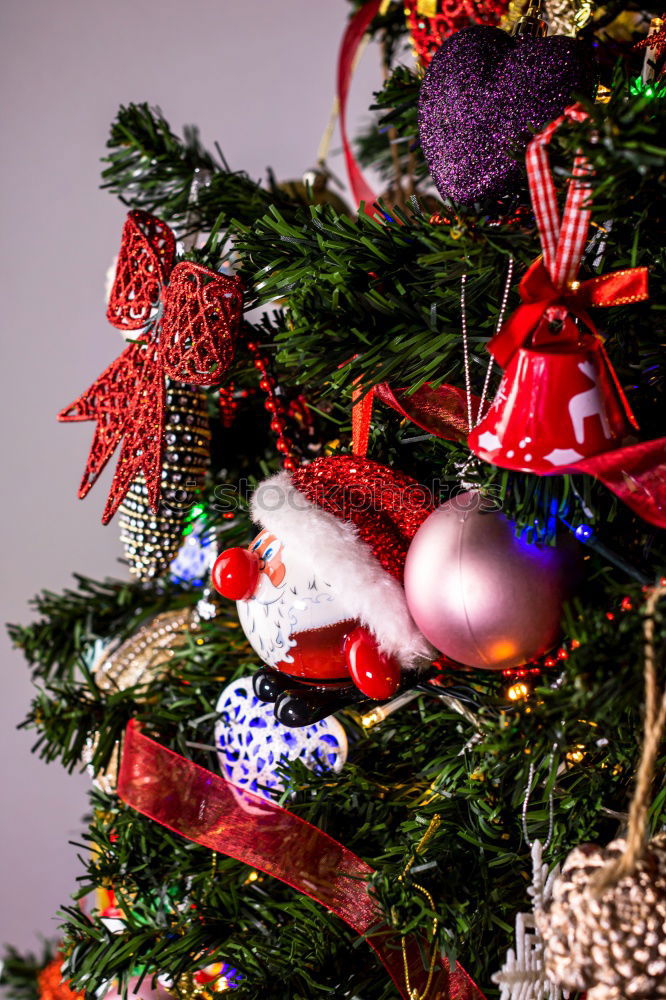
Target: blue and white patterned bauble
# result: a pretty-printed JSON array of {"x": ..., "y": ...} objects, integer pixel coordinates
[
  {"x": 195, "y": 557},
  {"x": 251, "y": 742}
]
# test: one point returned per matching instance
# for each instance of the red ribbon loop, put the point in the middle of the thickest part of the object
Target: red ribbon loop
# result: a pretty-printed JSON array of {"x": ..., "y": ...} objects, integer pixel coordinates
[
  {"x": 191, "y": 338},
  {"x": 347, "y": 56},
  {"x": 210, "y": 811}
]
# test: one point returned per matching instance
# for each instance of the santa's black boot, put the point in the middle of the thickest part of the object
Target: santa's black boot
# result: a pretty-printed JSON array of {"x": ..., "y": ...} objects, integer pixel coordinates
[
  {"x": 268, "y": 684},
  {"x": 302, "y": 706}
]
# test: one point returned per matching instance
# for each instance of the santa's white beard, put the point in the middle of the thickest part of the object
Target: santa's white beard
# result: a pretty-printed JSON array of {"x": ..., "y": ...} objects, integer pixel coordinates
[{"x": 270, "y": 624}]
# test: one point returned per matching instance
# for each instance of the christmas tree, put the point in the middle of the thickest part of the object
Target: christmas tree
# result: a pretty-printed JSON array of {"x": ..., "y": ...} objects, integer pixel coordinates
[{"x": 403, "y": 435}]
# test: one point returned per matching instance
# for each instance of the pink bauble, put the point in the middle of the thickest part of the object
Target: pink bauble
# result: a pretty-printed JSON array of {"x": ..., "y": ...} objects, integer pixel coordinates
[{"x": 479, "y": 594}]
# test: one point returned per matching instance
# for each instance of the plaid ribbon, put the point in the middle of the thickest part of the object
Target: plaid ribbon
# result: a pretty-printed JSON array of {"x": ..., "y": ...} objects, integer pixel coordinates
[
  {"x": 549, "y": 288},
  {"x": 562, "y": 240}
]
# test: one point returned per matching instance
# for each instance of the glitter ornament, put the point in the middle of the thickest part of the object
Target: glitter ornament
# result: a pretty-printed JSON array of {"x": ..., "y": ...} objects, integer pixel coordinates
[
  {"x": 151, "y": 540},
  {"x": 313, "y": 189},
  {"x": 482, "y": 96},
  {"x": 145, "y": 655},
  {"x": 186, "y": 319},
  {"x": 612, "y": 945},
  {"x": 431, "y": 21},
  {"x": 319, "y": 590},
  {"x": 481, "y": 595},
  {"x": 252, "y": 743}
]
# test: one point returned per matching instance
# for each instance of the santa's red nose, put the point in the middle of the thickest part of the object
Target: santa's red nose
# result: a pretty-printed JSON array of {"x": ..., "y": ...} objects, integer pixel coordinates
[{"x": 235, "y": 574}]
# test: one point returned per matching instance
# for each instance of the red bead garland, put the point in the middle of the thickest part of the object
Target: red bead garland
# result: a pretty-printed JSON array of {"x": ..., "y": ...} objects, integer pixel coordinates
[
  {"x": 228, "y": 404},
  {"x": 273, "y": 404}
]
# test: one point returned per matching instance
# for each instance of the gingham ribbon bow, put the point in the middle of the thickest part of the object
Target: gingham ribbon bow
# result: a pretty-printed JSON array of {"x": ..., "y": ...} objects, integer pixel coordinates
[{"x": 549, "y": 288}]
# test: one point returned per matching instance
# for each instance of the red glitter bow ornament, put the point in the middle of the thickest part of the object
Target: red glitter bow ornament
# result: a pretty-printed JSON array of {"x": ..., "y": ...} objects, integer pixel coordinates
[{"x": 188, "y": 317}]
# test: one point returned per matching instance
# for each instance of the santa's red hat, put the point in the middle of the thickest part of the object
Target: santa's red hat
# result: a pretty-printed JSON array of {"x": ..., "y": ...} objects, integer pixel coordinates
[{"x": 352, "y": 520}]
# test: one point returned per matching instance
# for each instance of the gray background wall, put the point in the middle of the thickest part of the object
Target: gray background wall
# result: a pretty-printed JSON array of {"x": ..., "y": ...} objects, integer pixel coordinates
[{"x": 255, "y": 74}]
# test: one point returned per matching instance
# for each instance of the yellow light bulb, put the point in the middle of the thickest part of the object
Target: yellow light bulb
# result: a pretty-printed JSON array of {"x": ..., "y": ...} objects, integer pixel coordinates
[{"x": 518, "y": 691}]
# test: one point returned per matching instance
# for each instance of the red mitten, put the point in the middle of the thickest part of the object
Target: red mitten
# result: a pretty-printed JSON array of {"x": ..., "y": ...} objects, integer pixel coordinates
[{"x": 373, "y": 672}]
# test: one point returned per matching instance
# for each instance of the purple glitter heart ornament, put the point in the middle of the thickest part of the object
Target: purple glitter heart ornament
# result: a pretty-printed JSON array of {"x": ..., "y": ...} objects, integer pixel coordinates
[{"x": 483, "y": 95}]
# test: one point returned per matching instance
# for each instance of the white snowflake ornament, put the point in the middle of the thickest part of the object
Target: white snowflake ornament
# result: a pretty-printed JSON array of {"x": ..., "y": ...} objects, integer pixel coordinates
[
  {"x": 523, "y": 975},
  {"x": 251, "y": 742}
]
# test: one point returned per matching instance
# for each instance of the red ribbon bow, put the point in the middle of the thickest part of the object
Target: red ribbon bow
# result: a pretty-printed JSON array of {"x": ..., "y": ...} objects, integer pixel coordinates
[
  {"x": 188, "y": 316},
  {"x": 540, "y": 295},
  {"x": 550, "y": 287}
]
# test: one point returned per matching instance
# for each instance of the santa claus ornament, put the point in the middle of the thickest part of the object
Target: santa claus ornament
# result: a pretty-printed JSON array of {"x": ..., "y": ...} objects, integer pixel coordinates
[{"x": 319, "y": 590}]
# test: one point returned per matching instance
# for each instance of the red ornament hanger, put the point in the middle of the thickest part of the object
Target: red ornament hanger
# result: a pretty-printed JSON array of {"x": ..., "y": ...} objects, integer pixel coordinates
[{"x": 188, "y": 317}]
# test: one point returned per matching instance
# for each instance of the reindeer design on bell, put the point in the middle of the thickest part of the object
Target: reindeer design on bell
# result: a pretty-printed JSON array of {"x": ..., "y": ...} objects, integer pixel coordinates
[{"x": 588, "y": 403}]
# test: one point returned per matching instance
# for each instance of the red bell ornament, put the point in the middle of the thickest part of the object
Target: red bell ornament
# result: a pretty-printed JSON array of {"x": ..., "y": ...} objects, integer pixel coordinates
[{"x": 559, "y": 402}]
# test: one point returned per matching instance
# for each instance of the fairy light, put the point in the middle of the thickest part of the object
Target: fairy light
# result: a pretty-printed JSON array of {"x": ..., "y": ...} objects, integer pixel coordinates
[
  {"x": 381, "y": 712},
  {"x": 518, "y": 691},
  {"x": 370, "y": 719},
  {"x": 577, "y": 755}
]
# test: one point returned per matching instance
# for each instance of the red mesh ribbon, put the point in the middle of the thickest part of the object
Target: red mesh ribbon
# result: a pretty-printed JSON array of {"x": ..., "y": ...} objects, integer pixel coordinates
[
  {"x": 440, "y": 410},
  {"x": 432, "y": 21},
  {"x": 189, "y": 318},
  {"x": 210, "y": 811},
  {"x": 636, "y": 474}
]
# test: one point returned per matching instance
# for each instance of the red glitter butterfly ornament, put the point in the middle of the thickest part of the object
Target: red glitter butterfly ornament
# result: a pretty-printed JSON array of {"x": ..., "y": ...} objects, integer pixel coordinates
[{"x": 188, "y": 317}]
